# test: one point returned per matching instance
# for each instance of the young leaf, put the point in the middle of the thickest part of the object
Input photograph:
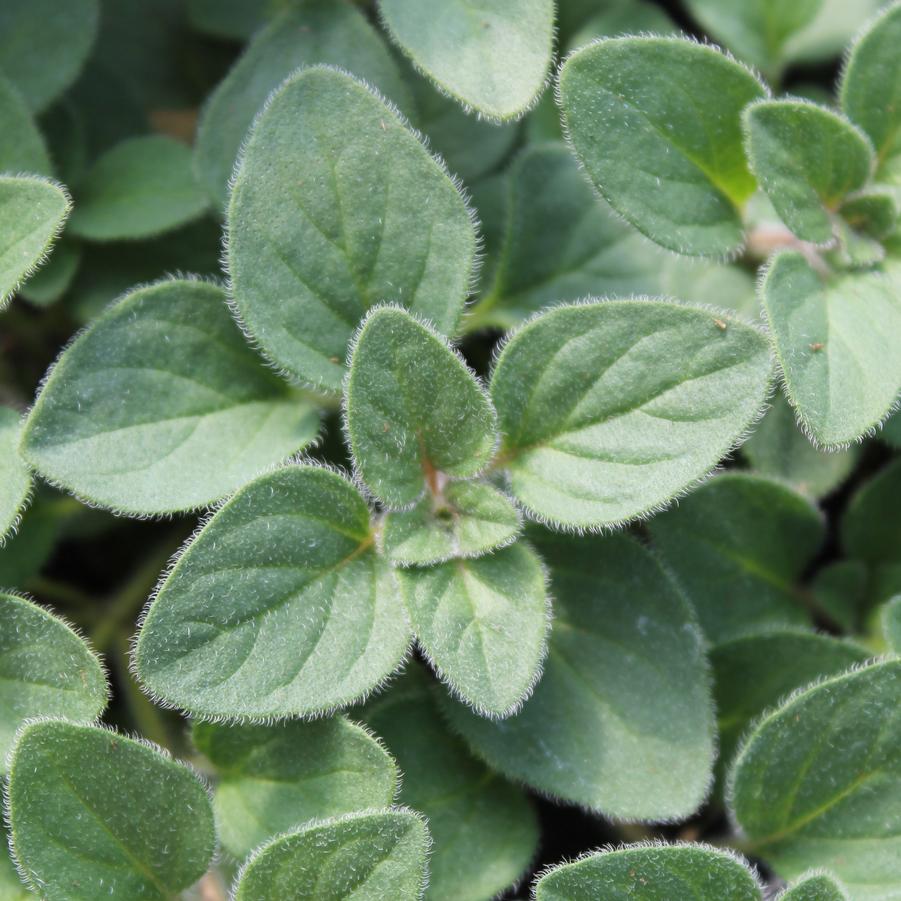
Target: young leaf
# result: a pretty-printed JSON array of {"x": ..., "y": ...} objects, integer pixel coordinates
[
  {"x": 818, "y": 781},
  {"x": 609, "y": 410},
  {"x": 651, "y": 873},
  {"x": 316, "y": 31},
  {"x": 15, "y": 479},
  {"x": 22, "y": 148},
  {"x": 871, "y": 530},
  {"x": 414, "y": 412},
  {"x": 45, "y": 670},
  {"x": 141, "y": 188},
  {"x": 373, "y": 218},
  {"x": 160, "y": 406},
  {"x": 274, "y": 778},
  {"x": 739, "y": 545},
  {"x": 485, "y": 831},
  {"x": 622, "y": 719},
  {"x": 483, "y": 623},
  {"x": 815, "y": 887},
  {"x": 835, "y": 341},
  {"x": 32, "y": 213},
  {"x": 656, "y": 122},
  {"x": 50, "y": 283},
  {"x": 43, "y": 45},
  {"x": 891, "y": 624},
  {"x": 369, "y": 856},
  {"x": 873, "y": 213},
  {"x": 291, "y": 554},
  {"x": 492, "y": 56},
  {"x": 76, "y": 839},
  {"x": 808, "y": 160},
  {"x": 468, "y": 520}
]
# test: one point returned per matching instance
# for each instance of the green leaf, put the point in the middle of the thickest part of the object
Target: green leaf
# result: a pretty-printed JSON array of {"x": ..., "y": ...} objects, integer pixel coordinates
[
  {"x": 22, "y": 148},
  {"x": 656, "y": 123},
  {"x": 319, "y": 31},
  {"x": 75, "y": 839},
  {"x": 818, "y": 782},
  {"x": 652, "y": 873},
  {"x": 873, "y": 212},
  {"x": 468, "y": 520},
  {"x": 414, "y": 412},
  {"x": 609, "y": 410},
  {"x": 45, "y": 670},
  {"x": 485, "y": 831},
  {"x": 11, "y": 886},
  {"x": 51, "y": 282},
  {"x": 839, "y": 590},
  {"x": 835, "y": 25},
  {"x": 623, "y": 17},
  {"x": 622, "y": 719},
  {"x": 891, "y": 624},
  {"x": 739, "y": 545},
  {"x": 291, "y": 554},
  {"x": 835, "y": 341},
  {"x": 891, "y": 430},
  {"x": 374, "y": 219},
  {"x": 815, "y": 887},
  {"x": 29, "y": 548},
  {"x": 492, "y": 56},
  {"x": 871, "y": 529},
  {"x": 160, "y": 406},
  {"x": 808, "y": 160},
  {"x": 368, "y": 856},
  {"x": 141, "y": 188},
  {"x": 15, "y": 479},
  {"x": 32, "y": 213},
  {"x": 43, "y": 45},
  {"x": 274, "y": 778},
  {"x": 780, "y": 450},
  {"x": 234, "y": 20},
  {"x": 483, "y": 624}
]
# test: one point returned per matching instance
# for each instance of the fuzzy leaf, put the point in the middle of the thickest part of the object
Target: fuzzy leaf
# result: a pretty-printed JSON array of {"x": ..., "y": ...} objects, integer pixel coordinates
[
  {"x": 818, "y": 782},
  {"x": 470, "y": 519},
  {"x": 280, "y": 607},
  {"x": 808, "y": 160},
  {"x": 43, "y": 45},
  {"x": 622, "y": 720},
  {"x": 45, "y": 670},
  {"x": 15, "y": 479},
  {"x": 835, "y": 340},
  {"x": 374, "y": 218},
  {"x": 609, "y": 410},
  {"x": 141, "y": 188},
  {"x": 872, "y": 212},
  {"x": 97, "y": 815},
  {"x": 160, "y": 406},
  {"x": 891, "y": 624},
  {"x": 651, "y": 873},
  {"x": 739, "y": 545},
  {"x": 22, "y": 147},
  {"x": 367, "y": 856},
  {"x": 871, "y": 530},
  {"x": 656, "y": 122},
  {"x": 816, "y": 887},
  {"x": 483, "y": 623},
  {"x": 320, "y": 31},
  {"x": 32, "y": 213},
  {"x": 413, "y": 409},
  {"x": 51, "y": 282},
  {"x": 274, "y": 778},
  {"x": 485, "y": 831},
  {"x": 11, "y": 887},
  {"x": 490, "y": 55}
]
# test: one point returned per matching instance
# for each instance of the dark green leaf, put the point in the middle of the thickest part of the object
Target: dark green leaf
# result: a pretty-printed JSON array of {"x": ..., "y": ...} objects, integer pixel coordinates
[
  {"x": 15, "y": 479},
  {"x": 891, "y": 624},
  {"x": 22, "y": 148}
]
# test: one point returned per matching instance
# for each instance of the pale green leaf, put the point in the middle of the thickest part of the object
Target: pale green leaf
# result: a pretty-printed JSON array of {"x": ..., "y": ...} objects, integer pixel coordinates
[
  {"x": 275, "y": 778},
  {"x": 22, "y": 147},
  {"x": 467, "y": 520},
  {"x": 373, "y": 219},
  {"x": 141, "y": 188},
  {"x": 290, "y": 555},
  {"x": 375, "y": 855},
  {"x": 485, "y": 831},
  {"x": 738, "y": 546},
  {"x": 317, "y": 31},
  {"x": 814, "y": 887},
  {"x": 414, "y": 412},
  {"x": 97, "y": 815},
  {"x": 833, "y": 28},
  {"x": 871, "y": 529},
  {"x": 835, "y": 339},
  {"x": 891, "y": 624},
  {"x": 32, "y": 213},
  {"x": 656, "y": 123},
  {"x": 15, "y": 479},
  {"x": 808, "y": 160},
  {"x": 609, "y": 410},
  {"x": 161, "y": 406},
  {"x": 651, "y": 873},
  {"x": 817, "y": 783},
  {"x": 45, "y": 670},
  {"x": 622, "y": 719},
  {"x": 492, "y": 56},
  {"x": 483, "y": 623}
]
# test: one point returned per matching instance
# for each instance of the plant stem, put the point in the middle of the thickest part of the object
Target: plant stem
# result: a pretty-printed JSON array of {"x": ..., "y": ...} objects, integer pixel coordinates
[{"x": 766, "y": 240}]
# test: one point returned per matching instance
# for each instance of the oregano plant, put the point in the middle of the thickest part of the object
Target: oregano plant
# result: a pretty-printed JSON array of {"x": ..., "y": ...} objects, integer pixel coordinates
[{"x": 448, "y": 450}]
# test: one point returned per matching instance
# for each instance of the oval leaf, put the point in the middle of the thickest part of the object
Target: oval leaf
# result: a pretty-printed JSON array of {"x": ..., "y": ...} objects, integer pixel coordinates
[
  {"x": 817, "y": 887},
  {"x": 291, "y": 554},
  {"x": 15, "y": 479},
  {"x": 22, "y": 148},
  {"x": 609, "y": 410},
  {"x": 871, "y": 530}
]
